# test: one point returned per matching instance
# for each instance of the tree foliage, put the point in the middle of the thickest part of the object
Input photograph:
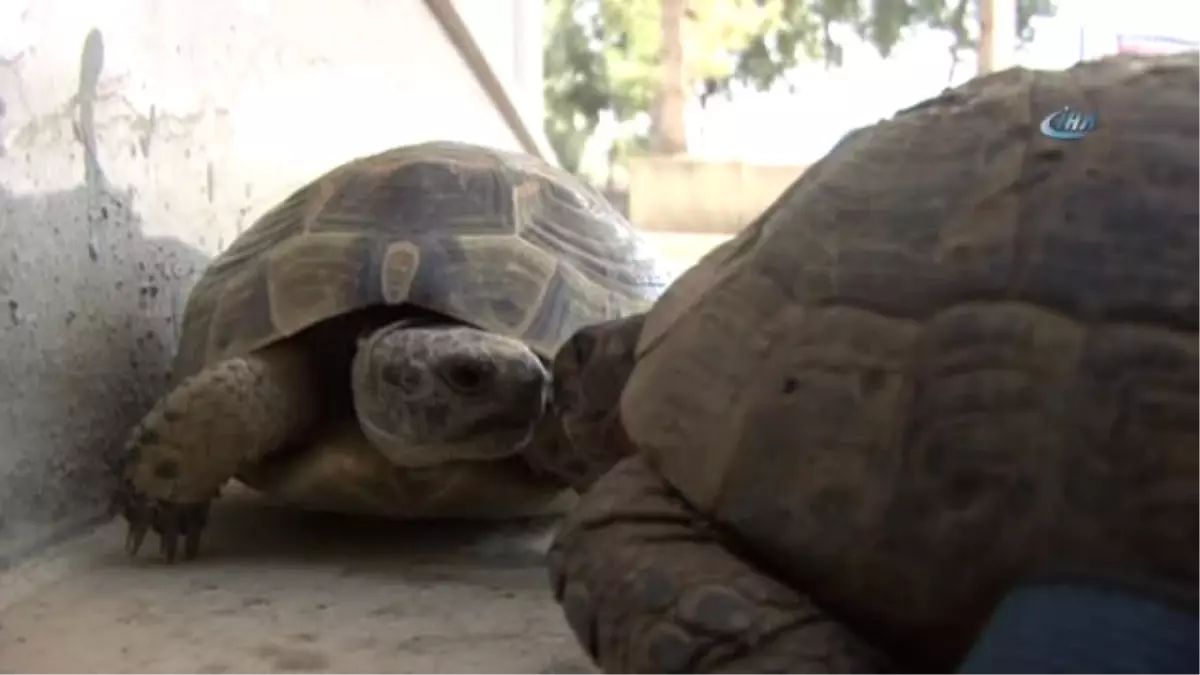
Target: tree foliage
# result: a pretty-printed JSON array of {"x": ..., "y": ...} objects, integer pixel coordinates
[
  {"x": 801, "y": 30},
  {"x": 602, "y": 56}
]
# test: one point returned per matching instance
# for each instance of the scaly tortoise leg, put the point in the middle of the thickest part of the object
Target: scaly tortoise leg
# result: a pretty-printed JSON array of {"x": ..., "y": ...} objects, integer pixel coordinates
[
  {"x": 201, "y": 433},
  {"x": 648, "y": 587}
]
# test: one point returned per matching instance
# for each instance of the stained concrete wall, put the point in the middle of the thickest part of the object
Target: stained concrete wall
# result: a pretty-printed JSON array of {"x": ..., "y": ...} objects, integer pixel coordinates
[{"x": 137, "y": 139}]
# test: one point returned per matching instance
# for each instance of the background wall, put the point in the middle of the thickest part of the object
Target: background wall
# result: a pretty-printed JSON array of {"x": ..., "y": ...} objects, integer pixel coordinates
[
  {"x": 510, "y": 33},
  {"x": 137, "y": 139},
  {"x": 693, "y": 195},
  {"x": 687, "y": 205}
]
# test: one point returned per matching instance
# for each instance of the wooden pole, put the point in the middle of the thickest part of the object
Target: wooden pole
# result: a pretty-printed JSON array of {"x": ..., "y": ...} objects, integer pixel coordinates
[
  {"x": 997, "y": 35},
  {"x": 987, "y": 47},
  {"x": 669, "y": 128},
  {"x": 1004, "y": 34}
]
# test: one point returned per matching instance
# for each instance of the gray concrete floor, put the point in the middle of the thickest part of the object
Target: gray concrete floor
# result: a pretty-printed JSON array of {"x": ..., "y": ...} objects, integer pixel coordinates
[{"x": 280, "y": 591}]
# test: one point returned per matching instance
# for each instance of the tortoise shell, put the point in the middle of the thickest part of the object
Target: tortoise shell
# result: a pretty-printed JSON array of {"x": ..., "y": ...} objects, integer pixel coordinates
[
  {"x": 493, "y": 239},
  {"x": 956, "y": 353}
]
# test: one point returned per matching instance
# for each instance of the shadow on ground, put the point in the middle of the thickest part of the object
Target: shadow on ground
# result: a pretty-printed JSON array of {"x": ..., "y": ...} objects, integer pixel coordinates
[{"x": 247, "y": 531}]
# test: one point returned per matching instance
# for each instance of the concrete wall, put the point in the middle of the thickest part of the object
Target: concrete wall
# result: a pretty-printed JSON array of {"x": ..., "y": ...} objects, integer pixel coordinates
[
  {"x": 681, "y": 250},
  {"x": 687, "y": 206},
  {"x": 668, "y": 194},
  {"x": 137, "y": 139}
]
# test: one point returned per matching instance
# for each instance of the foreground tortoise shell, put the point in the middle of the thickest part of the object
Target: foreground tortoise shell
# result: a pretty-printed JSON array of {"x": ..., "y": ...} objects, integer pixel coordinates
[
  {"x": 954, "y": 356},
  {"x": 440, "y": 233}
]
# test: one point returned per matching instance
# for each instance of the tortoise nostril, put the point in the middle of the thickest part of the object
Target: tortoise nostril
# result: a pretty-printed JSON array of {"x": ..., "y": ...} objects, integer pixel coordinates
[
  {"x": 583, "y": 344},
  {"x": 402, "y": 377},
  {"x": 393, "y": 375}
]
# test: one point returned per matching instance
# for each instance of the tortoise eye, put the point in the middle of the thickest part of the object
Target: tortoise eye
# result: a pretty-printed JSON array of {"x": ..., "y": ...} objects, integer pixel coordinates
[{"x": 468, "y": 377}]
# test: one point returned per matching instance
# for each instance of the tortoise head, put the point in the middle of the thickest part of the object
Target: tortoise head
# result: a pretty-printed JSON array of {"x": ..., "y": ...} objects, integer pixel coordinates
[
  {"x": 589, "y": 374},
  {"x": 431, "y": 394}
]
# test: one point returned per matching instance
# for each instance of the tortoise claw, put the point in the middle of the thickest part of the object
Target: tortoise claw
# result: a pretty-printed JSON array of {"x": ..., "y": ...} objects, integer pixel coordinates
[
  {"x": 169, "y": 519},
  {"x": 168, "y": 538},
  {"x": 136, "y": 535}
]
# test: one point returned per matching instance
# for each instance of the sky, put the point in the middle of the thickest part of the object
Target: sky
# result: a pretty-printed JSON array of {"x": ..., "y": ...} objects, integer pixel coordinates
[{"x": 799, "y": 128}]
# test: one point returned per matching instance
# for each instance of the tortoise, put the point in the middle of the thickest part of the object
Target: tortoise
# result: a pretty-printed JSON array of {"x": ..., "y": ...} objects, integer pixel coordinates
[
  {"x": 955, "y": 356},
  {"x": 378, "y": 343}
]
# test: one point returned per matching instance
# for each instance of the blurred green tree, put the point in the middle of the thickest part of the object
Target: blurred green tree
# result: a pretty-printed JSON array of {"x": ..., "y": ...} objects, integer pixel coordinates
[{"x": 607, "y": 57}]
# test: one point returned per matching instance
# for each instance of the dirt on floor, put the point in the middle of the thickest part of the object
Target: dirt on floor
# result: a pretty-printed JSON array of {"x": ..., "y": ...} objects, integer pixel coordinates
[{"x": 279, "y": 591}]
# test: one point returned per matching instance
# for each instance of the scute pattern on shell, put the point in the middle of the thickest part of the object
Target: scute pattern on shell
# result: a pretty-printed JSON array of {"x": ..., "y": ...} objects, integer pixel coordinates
[
  {"x": 927, "y": 369},
  {"x": 495, "y": 239}
]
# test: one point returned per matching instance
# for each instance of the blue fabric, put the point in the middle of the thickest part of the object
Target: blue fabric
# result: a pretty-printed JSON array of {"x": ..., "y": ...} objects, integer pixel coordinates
[{"x": 1064, "y": 628}]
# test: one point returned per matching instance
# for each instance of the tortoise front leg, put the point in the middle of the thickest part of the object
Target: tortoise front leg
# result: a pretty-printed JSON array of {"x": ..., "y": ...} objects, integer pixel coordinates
[
  {"x": 201, "y": 433},
  {"x": 648, "y": 587}
]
